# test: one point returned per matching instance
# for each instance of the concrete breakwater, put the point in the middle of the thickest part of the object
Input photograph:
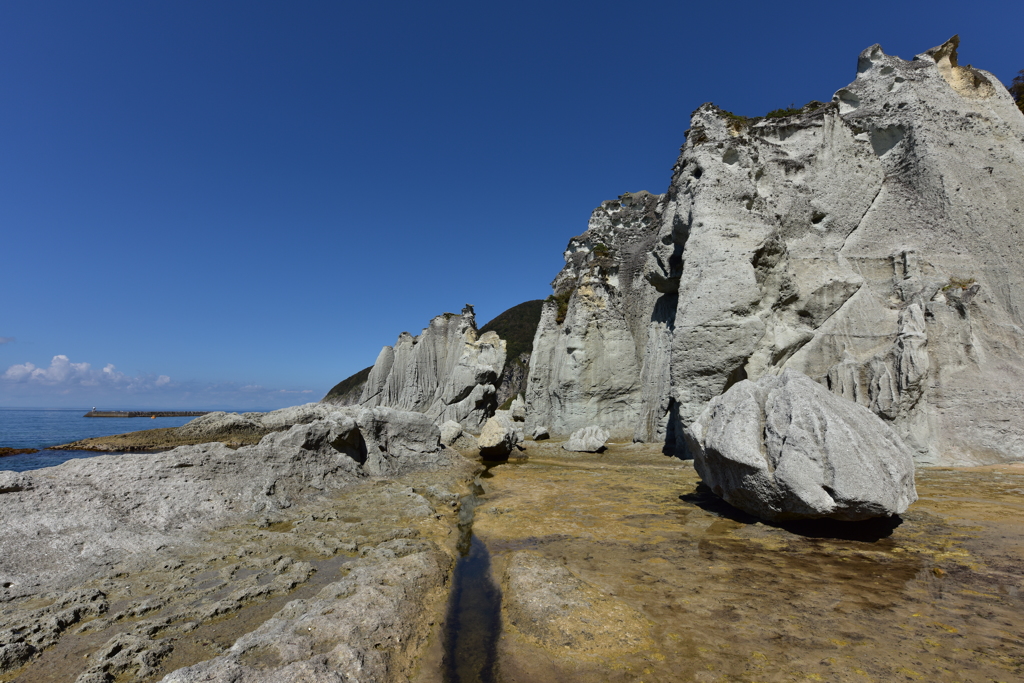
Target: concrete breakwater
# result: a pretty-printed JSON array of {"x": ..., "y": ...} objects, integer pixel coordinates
[{"x": 144, "y": 413}]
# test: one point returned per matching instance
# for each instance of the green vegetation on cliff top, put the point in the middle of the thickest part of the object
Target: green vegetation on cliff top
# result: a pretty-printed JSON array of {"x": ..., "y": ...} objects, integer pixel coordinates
[
  {"x": 517, "y": 326},
  {"x": 1017, "y": 90},
  {"x": 348, "y": 384}
]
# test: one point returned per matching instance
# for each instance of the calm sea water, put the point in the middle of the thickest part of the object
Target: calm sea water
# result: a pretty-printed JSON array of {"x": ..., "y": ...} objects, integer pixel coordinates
[{"x": 23, "y": 428}]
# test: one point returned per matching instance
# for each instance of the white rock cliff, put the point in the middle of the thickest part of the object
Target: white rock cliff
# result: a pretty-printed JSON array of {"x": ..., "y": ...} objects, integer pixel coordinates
[
  {"x": 446, "y": 372},
  {"x": 872, "y": 243}
]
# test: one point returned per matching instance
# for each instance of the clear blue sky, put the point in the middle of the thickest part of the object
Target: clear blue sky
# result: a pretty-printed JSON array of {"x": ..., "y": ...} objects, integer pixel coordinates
[{"x": 236, "y": 204}]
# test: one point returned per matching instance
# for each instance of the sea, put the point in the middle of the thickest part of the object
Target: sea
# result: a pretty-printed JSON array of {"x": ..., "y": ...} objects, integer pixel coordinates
[{"x": 35, "y": 428}]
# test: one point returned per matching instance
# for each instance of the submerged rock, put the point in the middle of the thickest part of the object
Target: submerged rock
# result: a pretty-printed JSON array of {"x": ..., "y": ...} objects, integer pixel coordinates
[
  {"x": 551, "y": 607},
  {"x": 786, "y": 448},
  {"x": 587, "y": 440}
]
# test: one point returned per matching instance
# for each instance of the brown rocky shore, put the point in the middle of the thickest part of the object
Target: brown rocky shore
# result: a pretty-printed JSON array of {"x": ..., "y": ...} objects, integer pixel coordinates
[
  {"x": 232, "y": 429},
  {"x": 17, "y": 451},
  {"x": 623, "y": 567},
  {"x": 617, "y": 566}
]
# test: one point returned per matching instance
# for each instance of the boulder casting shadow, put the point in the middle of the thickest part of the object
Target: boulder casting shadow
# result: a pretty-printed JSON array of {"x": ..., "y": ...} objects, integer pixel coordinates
[{"x": 866, "y": 531}]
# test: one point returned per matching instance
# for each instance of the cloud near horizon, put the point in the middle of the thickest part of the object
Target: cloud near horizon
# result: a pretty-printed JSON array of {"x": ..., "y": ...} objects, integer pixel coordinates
[
  {"x": 64, "y": 380},
  {"x": 63, "y": 373}
]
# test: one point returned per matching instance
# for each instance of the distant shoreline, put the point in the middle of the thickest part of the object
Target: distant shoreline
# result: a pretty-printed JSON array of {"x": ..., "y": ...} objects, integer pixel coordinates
[{"x": 144, "y": 413}]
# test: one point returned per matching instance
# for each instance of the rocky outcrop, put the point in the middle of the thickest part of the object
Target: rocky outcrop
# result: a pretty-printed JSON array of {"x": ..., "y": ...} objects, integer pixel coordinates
[
  {"x": 871, "y": 242},
  {"x": 499, "y": 437},
  {"x": 450, "y": 431},
  {"x": 587, "y": 440},
  {"x": 785, "y": 448},
  {"x": 446, "y": 373},
  {"x": 513, "y": 378},
  {"x": 369, "y": 621},
  {"x": 118, "y": 508},
  {"x": 4, "y": 451},
  {"x": 601, "y": 347},
  {"x": 517, "y": 326},
  {"x": 231, "y": 429}
]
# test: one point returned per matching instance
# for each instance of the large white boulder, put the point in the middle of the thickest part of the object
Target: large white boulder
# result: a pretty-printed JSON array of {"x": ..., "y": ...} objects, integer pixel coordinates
[
  {"x": 786, "y": 448},
  {"x": 587, "y": 440},
  {"x": 499, "y": 437}
]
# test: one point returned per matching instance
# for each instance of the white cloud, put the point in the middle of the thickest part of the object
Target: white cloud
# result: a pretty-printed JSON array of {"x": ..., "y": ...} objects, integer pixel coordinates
[
  {"x": 63, "y": 373},
  {"x": 6, "y": 340},
  {"x": 63, "y": 382}
]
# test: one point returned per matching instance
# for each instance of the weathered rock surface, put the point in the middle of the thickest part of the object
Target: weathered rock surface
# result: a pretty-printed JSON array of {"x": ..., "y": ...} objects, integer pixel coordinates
[
  {"x": 137, "y": 559},
  {"x": 499, "y": 437},
  {"x": 446, "y": 373},
  {"x": 363, "y": 627},
  {"x": 786, "y": 448},
  {"x": 549, "y": 606},
  {"x": 587, "y": 440},
  {"x": 450, "y": 431},
  {"x": 517, "y": 326},
  {"x": 604, "y": 325},
  {"x": 872, "y": 243},
  {"x": 517, "y": 411},
  {"x": 541, "y": 432},
  {"x": 132, "y": 503}
]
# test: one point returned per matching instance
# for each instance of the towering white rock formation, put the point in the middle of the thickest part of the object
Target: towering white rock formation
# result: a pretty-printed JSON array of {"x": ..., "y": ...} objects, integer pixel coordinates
[
  {"x": 446, "y": 372},
  {"x": 598, "y": 333},
  {"x": 872, "y": 243}
]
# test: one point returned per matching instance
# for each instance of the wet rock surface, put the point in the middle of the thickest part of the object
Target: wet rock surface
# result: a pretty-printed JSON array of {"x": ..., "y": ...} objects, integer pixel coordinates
[
  {"x": 715, "y": 595},
  {"x": 621, "y": 566}
]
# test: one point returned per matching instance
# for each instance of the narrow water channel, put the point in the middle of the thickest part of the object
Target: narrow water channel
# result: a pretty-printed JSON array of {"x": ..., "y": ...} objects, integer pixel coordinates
[{"x": 473, "y": 624}]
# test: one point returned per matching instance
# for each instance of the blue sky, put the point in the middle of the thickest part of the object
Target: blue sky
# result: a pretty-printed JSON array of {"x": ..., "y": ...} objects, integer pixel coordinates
[{"x": 236, "y": 204}]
